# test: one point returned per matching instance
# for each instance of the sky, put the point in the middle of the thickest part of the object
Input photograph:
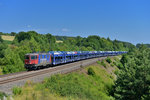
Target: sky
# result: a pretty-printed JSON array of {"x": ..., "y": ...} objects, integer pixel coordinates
[{"x": 125, "y": 20}]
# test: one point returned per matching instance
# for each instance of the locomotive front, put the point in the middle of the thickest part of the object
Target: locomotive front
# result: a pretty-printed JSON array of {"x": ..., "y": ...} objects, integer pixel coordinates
[{"x": 31, "y": 60}]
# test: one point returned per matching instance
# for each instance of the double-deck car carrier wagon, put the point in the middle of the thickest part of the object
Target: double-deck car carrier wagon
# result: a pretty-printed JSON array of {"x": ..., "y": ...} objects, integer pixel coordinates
[{"x": 41, "y": 60}]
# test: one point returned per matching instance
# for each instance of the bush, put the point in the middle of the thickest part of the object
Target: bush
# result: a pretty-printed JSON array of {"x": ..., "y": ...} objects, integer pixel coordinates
[
  {"x": 116, "y": 71},
  {"x": 1, "y": 40},
  {"x": 108, "y": 60},
  {"x": 91, "y": 71},
  {"x": 120, "y": 66},
  {"x": 124, "y": 59},
  {"x": 115, "y": 58},
  {"x": 17, "y": 90},
  {"x": 115, "y": 63},
  {"x": 2, "y": 95},
  {"x": 77, "y": 85},
  {"x": 112, "y": 65},
  {"x": 98, "y": 62},
  {"x": 1, "y": 71},
  {"x": 103, "y": 63}
]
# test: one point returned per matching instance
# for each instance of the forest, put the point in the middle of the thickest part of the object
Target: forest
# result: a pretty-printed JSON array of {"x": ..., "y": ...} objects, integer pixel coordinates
[
  {"x": 133, "y": 75},
  {"x": 12, "y": 54}
]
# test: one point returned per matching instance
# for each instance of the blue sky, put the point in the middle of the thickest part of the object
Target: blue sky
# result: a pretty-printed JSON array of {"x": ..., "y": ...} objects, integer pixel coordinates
[{"x": 126, "y": 20}]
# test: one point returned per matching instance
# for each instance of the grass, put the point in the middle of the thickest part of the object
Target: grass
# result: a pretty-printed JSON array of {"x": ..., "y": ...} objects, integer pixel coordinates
[
  {"x": 103, "y": 76},
  {"x": 72, "y": 86},
  {"x": 17, "y": 90},
  {"x": 103, "y": 63},
  {"x": 33, "y": 92},
  {"x": 7, "y": 42},
  {"x": 1, "y": 71},
  {"x": 8, "y": 38}
]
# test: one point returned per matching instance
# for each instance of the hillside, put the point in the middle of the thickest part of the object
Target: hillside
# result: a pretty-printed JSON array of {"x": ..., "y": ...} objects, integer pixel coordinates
[
  {"x": 132, "y": 82},
  {"x": 12, "y": 52},
  {"x": 93, "y": 82},
  {"x": 147, "y": 45}
]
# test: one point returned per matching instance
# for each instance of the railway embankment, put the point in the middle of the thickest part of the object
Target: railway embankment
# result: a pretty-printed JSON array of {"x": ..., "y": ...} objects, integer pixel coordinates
[
  {"x": 91, "y": 82},
  {"x": 10, "y": 81}
]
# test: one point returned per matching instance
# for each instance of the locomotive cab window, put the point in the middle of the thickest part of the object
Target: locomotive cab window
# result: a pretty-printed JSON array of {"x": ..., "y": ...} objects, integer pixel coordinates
[
  {"x": 33, "y": 57},
  {"x": 27, "y": 57}
]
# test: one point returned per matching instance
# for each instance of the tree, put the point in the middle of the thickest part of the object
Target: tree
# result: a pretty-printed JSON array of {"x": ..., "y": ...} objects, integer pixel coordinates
[
  {"x": 1, "y": 40},
  {"x": 26, "y": 36},
  {"x": 134, "y": 79},
  {"x": 12, "y": 33},
  {"x": 124, "y": 59},
  {"x": 51, "y": 41},
  {"x": 2, "y": 49},
  {"x": 11, "y": 62}
]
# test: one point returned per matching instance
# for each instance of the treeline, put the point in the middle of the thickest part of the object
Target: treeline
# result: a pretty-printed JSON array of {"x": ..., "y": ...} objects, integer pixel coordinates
[
  {"x": 147, "y": 45},
  {"x": 9, "y": 34},
  {"x": 93, "y": 43},
  {"x": 133, "y": 80},
  {"x": 62, "y": 38},
  {"x": 12, "y": 55}
]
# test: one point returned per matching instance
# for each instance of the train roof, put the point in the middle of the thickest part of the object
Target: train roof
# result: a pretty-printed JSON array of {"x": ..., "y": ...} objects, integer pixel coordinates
[
  {"x": 36, "y": 53},
  {"x": 32, "y": 54},
  {"x": 74, "y": 52}
]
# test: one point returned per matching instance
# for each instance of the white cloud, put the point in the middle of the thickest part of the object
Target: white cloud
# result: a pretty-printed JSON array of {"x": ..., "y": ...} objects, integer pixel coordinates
[
  {"x": 28, "y": 26},
  {"x": 65, "y": 30},
  {"x": 29, "y": 29}
]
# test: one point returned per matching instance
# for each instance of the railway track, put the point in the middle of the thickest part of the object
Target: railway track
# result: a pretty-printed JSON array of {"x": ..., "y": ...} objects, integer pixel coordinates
[
  {"x": 57, "y": 69},
  {"x": 17, "y": 73}
]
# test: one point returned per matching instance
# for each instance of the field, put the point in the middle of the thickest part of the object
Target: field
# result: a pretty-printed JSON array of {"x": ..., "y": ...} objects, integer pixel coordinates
[
  {"x": 8, "y": 38},
  {"x": 58, "y": 41}
]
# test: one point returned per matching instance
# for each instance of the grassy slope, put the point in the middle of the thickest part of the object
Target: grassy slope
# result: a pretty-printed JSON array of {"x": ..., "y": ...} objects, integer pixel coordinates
[
  {"x": 73, "y": 86},
  {"x": 8, "y": 39}
]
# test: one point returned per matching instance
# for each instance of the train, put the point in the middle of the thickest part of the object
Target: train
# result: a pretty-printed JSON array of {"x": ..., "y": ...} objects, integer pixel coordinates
[{"x": 35, "y": 61}]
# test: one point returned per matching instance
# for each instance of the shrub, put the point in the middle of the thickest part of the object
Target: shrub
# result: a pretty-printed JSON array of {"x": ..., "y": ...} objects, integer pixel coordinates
[
  {"x": 98, "y": 62},
  {"x": 124, "y": 59},
  {"x": 112, "y": 65},
  {"x": 103, "y": 63},
  {"x": 77, "y": 85},
  {"x": 115, "y": 59},
  {"x": 1, "y": 71},
  {"x": 120, "y": 66},
  {"x": 91, "y": 71},
  {"x": 108, "y": 60},
  {"x": 1, "y": 40},
  {"x": 116, "y": 71},
  {"x": 17, "y": 90},
  {"x": 115, "y": 63},
  {"x": 2, "y": 95}
]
